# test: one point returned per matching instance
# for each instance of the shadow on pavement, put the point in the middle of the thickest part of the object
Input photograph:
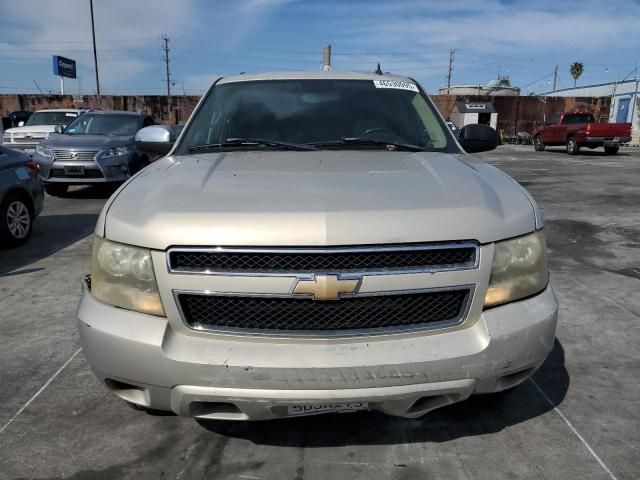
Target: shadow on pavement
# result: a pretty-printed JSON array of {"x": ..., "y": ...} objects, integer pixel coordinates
[
  {"x": 587, "y": 153},
  {"x": 92, "y": 191},
  {"x": 50, "y": 234},
  {"x": 479, "y": 415}
]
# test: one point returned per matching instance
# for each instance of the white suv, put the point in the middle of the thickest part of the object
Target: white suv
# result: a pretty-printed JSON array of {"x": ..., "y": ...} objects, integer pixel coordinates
[{"x": 37, "y": 128}]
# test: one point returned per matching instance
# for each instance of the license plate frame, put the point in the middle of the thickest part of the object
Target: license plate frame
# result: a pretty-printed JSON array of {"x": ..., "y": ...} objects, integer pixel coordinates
[
  {"x": 319, "y": 408},
  {"x": 74, "y": 170}
]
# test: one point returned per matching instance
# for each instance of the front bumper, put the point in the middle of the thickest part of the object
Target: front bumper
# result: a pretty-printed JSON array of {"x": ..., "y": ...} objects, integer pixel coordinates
[
  {"x": 144, "y": 360},
  {"x": 26, "y": 148},
  {"x": 101, "y": 170}
]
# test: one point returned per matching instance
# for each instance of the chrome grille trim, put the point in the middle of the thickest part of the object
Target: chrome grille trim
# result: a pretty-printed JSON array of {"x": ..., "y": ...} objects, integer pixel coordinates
[
  {"x": 75, "y": 155},
  {"x": 459, "y": 319},
  {"x": 356, "y": 273}
]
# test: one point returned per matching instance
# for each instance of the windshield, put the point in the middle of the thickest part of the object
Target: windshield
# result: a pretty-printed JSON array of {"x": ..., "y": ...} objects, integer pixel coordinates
[
  {"x": 320, "y": 112},
  {"x": 578, "y": 118},
  {"x": 104, "y": 124},
  {"x": 51, "y": 118}
]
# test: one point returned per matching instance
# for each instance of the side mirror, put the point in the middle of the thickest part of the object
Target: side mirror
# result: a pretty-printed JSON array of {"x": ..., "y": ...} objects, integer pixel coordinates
[
  {"x": 478, "y": 138},
  {"x": 58, "y": 128},
  {"x": 21, "y": 123},
  {"x": 155, "y": 140}
]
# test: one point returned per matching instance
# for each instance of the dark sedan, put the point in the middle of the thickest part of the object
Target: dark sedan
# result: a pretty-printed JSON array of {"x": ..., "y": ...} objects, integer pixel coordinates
[
  {"x": 21, "y": 196},
  {"x": 96, "y": 148}
]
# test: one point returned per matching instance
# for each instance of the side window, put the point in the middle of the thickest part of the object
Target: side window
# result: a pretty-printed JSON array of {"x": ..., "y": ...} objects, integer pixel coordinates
[{"x": 148, "y": 121}]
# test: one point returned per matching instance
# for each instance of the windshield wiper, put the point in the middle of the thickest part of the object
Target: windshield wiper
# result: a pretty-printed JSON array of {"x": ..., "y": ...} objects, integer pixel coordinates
[
  {"x": 393, "y": 146},
  {"x": 242, "y": 142}
]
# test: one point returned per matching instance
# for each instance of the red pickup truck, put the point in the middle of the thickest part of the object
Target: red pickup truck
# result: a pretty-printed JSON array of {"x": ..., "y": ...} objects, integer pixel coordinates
[{"x": 579, "y": 129}]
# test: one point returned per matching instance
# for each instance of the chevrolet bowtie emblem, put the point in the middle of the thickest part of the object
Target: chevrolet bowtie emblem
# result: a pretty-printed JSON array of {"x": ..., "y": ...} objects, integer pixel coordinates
[{"x": 326, "y": 287}]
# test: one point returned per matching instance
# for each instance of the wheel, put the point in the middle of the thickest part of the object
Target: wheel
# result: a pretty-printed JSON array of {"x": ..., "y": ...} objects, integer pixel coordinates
[
  {"x": 56, "y": 189},
  {"x": 538, "y": 144},
  {"x": 16, "y": 220},
  {"x": 572, "y": 146},
  {"x": 611, "y": 150}
]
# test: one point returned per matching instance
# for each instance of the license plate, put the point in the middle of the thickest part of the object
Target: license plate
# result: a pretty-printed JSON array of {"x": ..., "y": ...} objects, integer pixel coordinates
[
  {"x": 74, "y": 170},
  {"x": 326, "y": 407}
]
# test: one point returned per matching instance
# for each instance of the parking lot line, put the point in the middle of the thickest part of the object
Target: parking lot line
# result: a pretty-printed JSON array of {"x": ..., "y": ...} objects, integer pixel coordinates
[
  {"x": 573, "y": 429},
  {"x": 42, "y": 389}
]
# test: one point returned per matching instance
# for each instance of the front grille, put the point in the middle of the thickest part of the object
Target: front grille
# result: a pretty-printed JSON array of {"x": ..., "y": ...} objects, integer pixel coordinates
[
  {"x": 273, "y": 315},
  {"x": 79, "y": 155},
  {"x": 387, "y": 258},
  {"x": 88, "y": 173},
  {"x": 27, "y": 141}
]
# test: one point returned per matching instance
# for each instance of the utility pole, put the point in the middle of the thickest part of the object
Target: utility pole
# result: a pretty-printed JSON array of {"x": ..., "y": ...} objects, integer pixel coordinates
[
  {"x": 326, "y": 58},
  {"x": 166, "y": 61},
  {"x": 634, "y": 101},
  {"x": 451, "y": 52},
  {"x": 95, "y": 55},
  {"x": 555, "y": 78}
]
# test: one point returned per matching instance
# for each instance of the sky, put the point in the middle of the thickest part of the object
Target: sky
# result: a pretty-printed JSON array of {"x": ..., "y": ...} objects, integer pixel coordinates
[{"x": 521, "y": 39}]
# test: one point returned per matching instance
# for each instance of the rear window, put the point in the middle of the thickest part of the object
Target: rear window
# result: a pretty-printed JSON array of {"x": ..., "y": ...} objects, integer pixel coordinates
[{"x": 578, "y": 118}]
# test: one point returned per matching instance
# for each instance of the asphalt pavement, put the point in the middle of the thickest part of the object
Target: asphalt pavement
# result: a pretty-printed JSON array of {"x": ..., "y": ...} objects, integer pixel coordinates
[{"x": 578, "y": 419}]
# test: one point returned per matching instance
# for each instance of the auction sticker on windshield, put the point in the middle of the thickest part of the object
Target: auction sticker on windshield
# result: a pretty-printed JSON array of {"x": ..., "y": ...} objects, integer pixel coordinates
[
  {"x": 398, "y": 84},
  {"x": 324, "y": 408}
]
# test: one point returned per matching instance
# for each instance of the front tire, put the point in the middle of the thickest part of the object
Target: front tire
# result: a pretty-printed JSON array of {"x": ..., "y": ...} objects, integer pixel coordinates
[
  {"x": 572, "y": 146},
  {"x": 56, "y": 189},
  {"x": 16, "y": 220},
  {"x": 538, "y": 144},
  {"x": 611, "y": 150}
]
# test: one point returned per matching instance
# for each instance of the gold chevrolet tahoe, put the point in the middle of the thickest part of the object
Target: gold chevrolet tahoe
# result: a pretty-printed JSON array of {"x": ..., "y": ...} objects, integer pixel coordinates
[{"x": 316, "y": 242}]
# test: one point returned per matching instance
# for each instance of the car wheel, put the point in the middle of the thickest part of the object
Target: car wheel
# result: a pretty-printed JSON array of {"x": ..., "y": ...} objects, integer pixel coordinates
[
  {"x": 56, "y": 190},
  {"x": 16, "y": 220},
  {"x": 611, "y": 150},
  {"x": 538, "y": 144},
  {"x": 572, "y": 146}
]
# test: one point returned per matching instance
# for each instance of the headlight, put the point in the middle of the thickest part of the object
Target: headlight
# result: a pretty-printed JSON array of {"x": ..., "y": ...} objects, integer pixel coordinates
[
  {"x": 123, "y": 276},
  {"x": 116, "y": 151},
  {"x": 519, "y": 269},
  {"x": 44, "y": 151}
]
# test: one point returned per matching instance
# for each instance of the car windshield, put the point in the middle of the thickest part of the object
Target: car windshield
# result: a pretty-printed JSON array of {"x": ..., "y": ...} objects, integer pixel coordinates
[
  {"x": 578, "y": 118},
  {"x": 336, "y": 114},
  {"x": 104, "y": 124},
  {"x": 51, "y": 118}
]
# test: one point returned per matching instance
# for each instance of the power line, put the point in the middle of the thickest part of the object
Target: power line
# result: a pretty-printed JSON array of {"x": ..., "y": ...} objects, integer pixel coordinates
[{"x": 55, "y": 40}]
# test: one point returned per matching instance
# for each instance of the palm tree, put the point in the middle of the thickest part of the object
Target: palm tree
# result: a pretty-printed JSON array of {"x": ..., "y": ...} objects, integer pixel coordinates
[{"x": 576, "y": 70}]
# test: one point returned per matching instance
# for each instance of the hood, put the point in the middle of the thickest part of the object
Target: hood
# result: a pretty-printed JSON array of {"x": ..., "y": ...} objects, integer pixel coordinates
[
  {"x": 316, "y": 199},
  {"x": 38, "y": 131},
  {"x": 86, "y": 141}
]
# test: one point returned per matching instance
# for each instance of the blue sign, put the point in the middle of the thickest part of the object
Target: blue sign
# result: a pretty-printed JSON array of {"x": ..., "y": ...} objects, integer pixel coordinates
[{"x": 64, "y": 67}]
